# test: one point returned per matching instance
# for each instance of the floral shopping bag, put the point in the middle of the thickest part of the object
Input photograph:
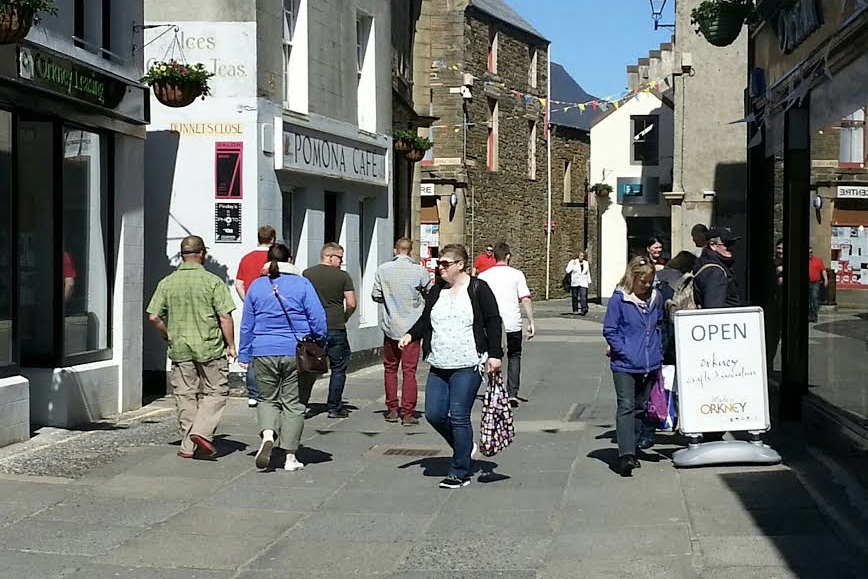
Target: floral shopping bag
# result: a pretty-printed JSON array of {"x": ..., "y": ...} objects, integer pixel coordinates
[{"x": 497, "y": 427}]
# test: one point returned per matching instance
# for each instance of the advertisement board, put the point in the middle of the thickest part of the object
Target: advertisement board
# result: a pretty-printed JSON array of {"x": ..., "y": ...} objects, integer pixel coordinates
[
  {"x": 850, "y": 257},
  {"x": 721, "y": 375}
]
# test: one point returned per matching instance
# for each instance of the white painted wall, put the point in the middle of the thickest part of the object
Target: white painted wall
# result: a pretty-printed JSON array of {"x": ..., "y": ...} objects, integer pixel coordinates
[
  {"x": 610, "y": 159},
  {"x": 229, "y": 50}
]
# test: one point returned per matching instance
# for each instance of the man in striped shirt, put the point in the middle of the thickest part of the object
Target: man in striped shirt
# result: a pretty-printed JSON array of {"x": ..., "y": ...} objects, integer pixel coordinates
[{"x": 400, "y": 285}]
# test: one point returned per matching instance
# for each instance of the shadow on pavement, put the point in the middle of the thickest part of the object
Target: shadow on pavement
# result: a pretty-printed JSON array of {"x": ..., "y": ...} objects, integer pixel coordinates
[{"x": 439, "y": 467}]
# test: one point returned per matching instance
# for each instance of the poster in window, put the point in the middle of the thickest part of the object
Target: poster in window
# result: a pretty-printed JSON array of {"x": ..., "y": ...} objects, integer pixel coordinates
[
  {"x": 227, "y": 222},
  {"x": 227, "y": 170}
]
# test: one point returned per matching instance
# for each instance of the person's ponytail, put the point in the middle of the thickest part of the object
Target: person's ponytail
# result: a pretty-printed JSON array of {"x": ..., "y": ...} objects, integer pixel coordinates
[{"x": 273, "y": 270}]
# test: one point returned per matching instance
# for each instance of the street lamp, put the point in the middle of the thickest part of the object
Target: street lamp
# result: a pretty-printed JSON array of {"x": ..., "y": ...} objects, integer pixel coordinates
[{"x": 657, "y": 7}]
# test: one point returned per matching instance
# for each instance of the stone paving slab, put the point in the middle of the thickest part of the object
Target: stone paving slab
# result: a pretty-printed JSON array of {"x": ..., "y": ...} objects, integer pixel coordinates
[
  {"x": 629, "y": 565},
  {"x": 97, "y": 571},
  {"x": 28, "y": 565},
  {"x": 337, "y": 558},
  {"x": 65, "y": 538},
  {"x": 483, "y": 552},
  {"x": 90, "y": 510},
  {"x": 209, "y": 520},
  {"x": 172, "y": 549}
]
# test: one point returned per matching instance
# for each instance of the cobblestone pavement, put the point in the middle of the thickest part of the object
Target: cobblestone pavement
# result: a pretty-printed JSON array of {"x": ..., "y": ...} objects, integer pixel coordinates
[{"x": 115, "y": 501}]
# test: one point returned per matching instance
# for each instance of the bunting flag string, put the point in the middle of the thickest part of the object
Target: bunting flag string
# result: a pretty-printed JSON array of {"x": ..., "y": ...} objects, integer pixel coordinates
[{"x": 565, "y": 106}]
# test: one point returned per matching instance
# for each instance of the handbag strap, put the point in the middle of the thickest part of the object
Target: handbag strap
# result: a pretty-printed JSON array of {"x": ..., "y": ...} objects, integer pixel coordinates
[{"x": 285, "y": 313}]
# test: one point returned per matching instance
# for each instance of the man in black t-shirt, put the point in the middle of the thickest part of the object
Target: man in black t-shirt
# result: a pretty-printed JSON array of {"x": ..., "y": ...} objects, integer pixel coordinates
[{"x": 335, "y": 289}]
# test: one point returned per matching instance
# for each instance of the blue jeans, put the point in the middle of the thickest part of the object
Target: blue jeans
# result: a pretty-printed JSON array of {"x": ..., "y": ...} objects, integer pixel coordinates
[
  {"x": 252, "y": 392},
  {"x": 814, "y": 300},
  {"x": 338, "y": 350},
  {"x": 449, "y": 397}
]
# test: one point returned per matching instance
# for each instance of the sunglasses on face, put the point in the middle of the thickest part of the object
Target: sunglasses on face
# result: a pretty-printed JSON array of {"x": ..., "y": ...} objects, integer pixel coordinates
[
  {"x": 445, "y": 263},
  {"x": 340, "y": 257}
]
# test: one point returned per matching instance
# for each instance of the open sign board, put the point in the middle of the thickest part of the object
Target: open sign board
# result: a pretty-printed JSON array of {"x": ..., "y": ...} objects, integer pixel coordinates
[{"x": 721, "y": 370}]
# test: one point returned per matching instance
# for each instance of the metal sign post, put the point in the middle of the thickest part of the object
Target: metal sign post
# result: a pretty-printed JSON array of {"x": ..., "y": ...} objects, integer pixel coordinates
[{"x": 722, "y": 385}]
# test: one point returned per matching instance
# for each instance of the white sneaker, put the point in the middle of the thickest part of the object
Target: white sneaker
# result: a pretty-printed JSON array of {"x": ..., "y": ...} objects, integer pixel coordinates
[
  {"x": 475, "y": 451},
  {"x": 263, "y": 456},
  {"x": 252, "y": 403},
  {"x": 292, "y": 464}
]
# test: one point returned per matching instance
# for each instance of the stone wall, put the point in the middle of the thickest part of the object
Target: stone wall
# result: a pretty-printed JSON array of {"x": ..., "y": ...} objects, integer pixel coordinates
[{"x": 506, "y": 204}]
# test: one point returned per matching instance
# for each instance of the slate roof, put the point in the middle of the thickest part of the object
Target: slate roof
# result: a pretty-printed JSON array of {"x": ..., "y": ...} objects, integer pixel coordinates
[
  {"x": 502, "y": 11},
  {"x": 566, "y": 89}
]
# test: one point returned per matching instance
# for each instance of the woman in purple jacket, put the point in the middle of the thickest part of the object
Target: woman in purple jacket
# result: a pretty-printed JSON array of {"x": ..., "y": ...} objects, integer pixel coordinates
[{"x": 632, "y": 329}]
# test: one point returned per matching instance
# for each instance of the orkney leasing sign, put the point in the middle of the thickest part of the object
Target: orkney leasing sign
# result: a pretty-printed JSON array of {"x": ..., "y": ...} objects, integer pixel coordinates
[
  {"x": 317, "y": 153},
  {"x": 61, "y": 75}
]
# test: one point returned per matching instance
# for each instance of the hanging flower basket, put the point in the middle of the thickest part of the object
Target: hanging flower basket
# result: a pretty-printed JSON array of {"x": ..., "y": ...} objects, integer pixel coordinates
[
  {"x": 16, "y": 17},
  {"x": 601, "y": 189},
  {"x": 721, "y": 21},
  {"x": 178, "y": 85},
  {"x": 403, "y": 140},
  {"x": 414, "y": 155}
]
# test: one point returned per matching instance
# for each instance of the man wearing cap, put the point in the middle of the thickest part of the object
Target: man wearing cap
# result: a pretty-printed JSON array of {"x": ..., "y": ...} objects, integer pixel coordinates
[
  {"x": 192, "y": 310},
  {"x": 715, "y": 287}
]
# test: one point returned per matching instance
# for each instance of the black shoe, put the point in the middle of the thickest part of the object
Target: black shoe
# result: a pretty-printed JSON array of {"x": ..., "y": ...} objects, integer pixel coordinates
[
  {"x": 635, "y": 462},
  {"x": 513, "y": 401},
  {"x": 342, "y": 413},
  {"x": 453, "y": 482},
  {"x": 626, "y": 464}
]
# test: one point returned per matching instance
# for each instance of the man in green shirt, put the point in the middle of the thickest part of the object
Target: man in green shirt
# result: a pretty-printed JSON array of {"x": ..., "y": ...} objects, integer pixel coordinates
[
  {"x": 192, "y": 309},
  {"x": 335, "y": 289}
]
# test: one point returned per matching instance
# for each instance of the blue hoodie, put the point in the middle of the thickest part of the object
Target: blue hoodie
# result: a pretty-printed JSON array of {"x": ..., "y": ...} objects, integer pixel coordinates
[
  {"x": 264, "y": 328},
  {"x": 633, "y": 335}
]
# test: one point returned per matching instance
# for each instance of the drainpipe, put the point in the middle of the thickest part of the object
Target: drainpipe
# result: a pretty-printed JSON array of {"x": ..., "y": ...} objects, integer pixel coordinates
[{"x": 549, "y": 162}]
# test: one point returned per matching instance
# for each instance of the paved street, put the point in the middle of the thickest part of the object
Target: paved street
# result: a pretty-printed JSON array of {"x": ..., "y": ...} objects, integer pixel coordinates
[{"x": 117, "y": 502}]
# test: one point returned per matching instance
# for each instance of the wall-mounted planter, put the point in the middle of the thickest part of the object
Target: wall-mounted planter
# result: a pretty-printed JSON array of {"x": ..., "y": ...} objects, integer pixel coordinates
[
  {"x": 15, "y": 23},
  {"x": 402, "y": 146},
  {"x": 176, "y": 95},
  {"x": 414, "y": 155},
  {"x": 721, "y": 21}
]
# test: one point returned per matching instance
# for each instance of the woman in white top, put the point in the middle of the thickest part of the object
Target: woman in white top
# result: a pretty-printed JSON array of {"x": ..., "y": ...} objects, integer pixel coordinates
[
  {"x": 461, "y": 332},
  {"x": 580, "y": 279}
]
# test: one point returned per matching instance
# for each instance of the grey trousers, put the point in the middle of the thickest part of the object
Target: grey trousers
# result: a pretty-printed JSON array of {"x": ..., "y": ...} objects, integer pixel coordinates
[
  {"x": 513, "y": 359},
  {"x": 282, "y": 399}
]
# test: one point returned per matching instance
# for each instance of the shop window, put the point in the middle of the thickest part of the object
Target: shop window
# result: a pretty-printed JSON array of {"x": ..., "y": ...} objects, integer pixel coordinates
[
  {"x": 568, "y": 181},
  {"x": 287, "y": 229},
  {"x": 91, "y": 26},
  {"x": 7, "y": 265},
  {"x": 852, "y": 152},
  {"x": 492, "y": 153},
  {"x": 645, "y": 145},
  {"x": 36, "y": 248},
  {"x": 85, "y": 225}
]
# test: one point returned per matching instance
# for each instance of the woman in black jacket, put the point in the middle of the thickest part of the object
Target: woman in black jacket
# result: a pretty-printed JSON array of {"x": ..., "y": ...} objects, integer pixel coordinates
[{"x": 461, "y": 331}]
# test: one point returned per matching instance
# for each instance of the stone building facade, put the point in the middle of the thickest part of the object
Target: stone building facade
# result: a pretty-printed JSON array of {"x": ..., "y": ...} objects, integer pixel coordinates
[{"x": 482, "y": 71}]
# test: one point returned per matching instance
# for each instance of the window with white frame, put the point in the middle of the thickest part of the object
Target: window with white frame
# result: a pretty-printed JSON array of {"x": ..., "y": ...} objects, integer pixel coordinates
[
  {"x": 295, "y": 66},
  {"x": 568, "y": 181},
  {"x": 852, "y": 149},
  {"x": 645, "y": 142},
  {"x": 532, "y": 68},
  {"x": 492, "y": 51},
  {"x": 531, "y": 150},
  {"x": 366, "y": 72},
  {"x": 492, "y": 156}
]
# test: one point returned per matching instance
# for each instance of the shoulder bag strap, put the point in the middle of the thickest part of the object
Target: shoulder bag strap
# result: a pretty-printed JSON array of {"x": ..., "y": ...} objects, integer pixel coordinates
[{"x": 285, "y": 313}]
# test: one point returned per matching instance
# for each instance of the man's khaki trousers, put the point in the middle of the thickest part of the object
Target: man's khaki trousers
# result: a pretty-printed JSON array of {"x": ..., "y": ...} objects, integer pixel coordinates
[{"x": 201, "y": 390}]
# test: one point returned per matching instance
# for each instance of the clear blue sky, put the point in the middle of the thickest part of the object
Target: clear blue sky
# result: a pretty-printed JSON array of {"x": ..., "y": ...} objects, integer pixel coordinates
[{"x": 595, "y": 40}]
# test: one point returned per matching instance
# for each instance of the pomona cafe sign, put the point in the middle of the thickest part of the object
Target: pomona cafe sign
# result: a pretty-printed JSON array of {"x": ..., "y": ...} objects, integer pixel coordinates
[
  {"x": 327, "y": 155},
  {"x": 721, "y": 372}
]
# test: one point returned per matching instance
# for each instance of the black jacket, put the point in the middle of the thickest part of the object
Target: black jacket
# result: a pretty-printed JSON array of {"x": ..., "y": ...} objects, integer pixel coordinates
[
  {"x": 487, "y": 325},
  {"x": 715, "y": 287}
]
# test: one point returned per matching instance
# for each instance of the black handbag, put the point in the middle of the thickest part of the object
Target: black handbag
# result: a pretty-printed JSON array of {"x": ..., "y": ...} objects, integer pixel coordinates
[
  {"x": 566, "y": 283},
  {"x": 310, "y": 357}
]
